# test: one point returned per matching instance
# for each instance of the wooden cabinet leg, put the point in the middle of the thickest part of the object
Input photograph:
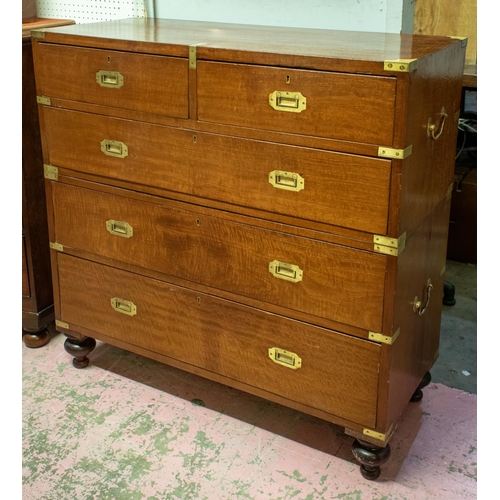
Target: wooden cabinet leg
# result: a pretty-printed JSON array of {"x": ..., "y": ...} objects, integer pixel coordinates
[
  {"x": 79, "y": 349},
  {"x": 371, "y": 458},
  {"x": 418, "y": 394},
  {"x": 35, "y": 338}
]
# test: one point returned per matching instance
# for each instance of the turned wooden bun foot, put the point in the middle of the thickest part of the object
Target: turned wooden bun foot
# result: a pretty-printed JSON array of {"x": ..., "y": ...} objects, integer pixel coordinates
[
  {"x": 79, "y": 349},
  {"x": 371, "y": 458},
  {"x": 35, "y": 338},
  {"x": 418, "y": 394}
]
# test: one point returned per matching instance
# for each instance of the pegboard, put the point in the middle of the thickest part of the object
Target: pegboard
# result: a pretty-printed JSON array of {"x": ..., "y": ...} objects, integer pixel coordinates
[{"x": 88, "y": 11}]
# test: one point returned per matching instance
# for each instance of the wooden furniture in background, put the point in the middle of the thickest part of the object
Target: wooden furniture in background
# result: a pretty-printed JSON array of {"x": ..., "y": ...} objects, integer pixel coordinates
[
  {"x": 37, "y": 299},
  {"x": 265, "y": 207},
  {"x": 449, "y": 18},
  {"x": 457, "y": 18}
]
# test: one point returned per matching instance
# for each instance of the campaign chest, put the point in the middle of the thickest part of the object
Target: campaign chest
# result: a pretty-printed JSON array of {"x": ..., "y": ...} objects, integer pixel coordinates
[{"x": 264, "y": 207}]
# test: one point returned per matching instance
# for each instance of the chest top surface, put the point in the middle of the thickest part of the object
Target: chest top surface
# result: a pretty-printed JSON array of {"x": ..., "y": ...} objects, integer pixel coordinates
[{"x": 218, "y": 40}]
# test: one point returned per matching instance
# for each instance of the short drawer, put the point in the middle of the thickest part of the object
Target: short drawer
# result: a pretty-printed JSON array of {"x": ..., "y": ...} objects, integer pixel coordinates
[
  {"x": 314, "y": 277},
  {"x": 319, "y": 368},
  {"x": 340, "y": 106},
  {"x": 310, "y": 185},
  {"x": 138, "y": 82}
]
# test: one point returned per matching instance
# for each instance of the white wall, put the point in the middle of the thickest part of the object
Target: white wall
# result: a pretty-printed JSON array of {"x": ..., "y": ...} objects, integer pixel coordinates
[
  {"x": 391, "y": 16},
  {"x": 88, "y": 11}
]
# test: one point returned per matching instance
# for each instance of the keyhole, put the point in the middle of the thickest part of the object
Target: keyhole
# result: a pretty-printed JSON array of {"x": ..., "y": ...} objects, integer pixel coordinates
[
  {"x": 195, "y": 139},
  {"x": 287, "y": 78},
  {"x": 109, "y": 59},
  {"x": 197, "y": 222}
]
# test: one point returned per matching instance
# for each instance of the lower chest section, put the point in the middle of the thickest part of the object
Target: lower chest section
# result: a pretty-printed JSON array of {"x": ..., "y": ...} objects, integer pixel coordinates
[{"x": 299, "y": 362}]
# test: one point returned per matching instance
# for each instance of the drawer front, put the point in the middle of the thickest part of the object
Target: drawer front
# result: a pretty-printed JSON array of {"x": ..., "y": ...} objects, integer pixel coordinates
[
  {"x": 338, "y": 189},
  {"x": 139, "y": 82},
  {"x": 337, "y": 105},
  {"x": 336, "y": 282},
  {"x": 337, "y": 374}
]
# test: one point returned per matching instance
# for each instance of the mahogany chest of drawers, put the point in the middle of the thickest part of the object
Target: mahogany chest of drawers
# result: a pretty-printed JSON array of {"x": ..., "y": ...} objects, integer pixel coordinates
[{"x": 265, "y": 207}]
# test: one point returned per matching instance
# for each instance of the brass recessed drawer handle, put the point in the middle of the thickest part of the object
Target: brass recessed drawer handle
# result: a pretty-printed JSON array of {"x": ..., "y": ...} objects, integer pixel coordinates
[
  {"x": 285, "y": 358},
  {"x": 417, "y": 304},
  {"x": 293, "y": 102},
  {"x": 114, "y": 148},
  {"x": 124, "y": 306},
  {"x": 286, "y": 180},
  {"x": 285, "y": 271},
  {"x": 431, "y": 127},
  {"x": 110, "y": 79},
  {"x": 119, "y": 228}
]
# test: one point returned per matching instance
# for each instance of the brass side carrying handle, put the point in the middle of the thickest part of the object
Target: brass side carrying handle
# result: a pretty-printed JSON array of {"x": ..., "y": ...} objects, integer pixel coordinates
[
  {"x": 124, "y": 306},
  {"x": 417, "y": 304},
  {"x": 285, "y": 271},
  {"x": 114, "y": 148},
  {"x": 431, "y": 127},
  {"x": 286, "y": 180},
  {"x": 109, "y": 79},
  {"x": 285, "y": 358},
  {"x": 292, "y": 102},
  {"x": 119, "y": 228}
]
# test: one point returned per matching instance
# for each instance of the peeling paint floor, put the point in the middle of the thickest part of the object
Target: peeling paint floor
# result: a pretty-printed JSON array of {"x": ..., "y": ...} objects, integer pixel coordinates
[{"x": 131, "y": 428}]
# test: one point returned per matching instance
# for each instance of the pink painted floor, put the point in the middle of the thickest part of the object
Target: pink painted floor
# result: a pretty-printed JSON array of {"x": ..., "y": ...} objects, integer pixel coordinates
[{"x": 126, "y": 428}]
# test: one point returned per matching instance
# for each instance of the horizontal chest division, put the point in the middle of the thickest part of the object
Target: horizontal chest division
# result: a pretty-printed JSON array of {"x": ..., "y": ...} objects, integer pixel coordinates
[{"x": 264, "y": 207}]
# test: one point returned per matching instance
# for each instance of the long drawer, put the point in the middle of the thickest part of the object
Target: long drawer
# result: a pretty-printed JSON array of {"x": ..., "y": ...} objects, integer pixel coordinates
[
  {"x": 338, "y": 189},
  {"x": 311, "y": 276},
  {"x": 138, "y": 82},
  {"x": 342, "y": 106},
  {"x": 320, "y": 368}
]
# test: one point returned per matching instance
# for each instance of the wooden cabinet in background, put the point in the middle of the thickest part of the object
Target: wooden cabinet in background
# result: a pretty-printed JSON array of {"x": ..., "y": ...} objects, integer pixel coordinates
[{"x": 37, "y": 297}]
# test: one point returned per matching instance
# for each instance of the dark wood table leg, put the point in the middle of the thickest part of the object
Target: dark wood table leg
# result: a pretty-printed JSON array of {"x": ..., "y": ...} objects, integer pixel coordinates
[
  {"x": 79, "y": 349},
  {"x": 33, "y": 338},
  {"x": 371, "y": 458},
  {"x": 418, "y": 394}
]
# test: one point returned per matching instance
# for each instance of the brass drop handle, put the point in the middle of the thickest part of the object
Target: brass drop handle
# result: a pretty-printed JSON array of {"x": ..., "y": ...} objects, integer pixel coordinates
[
  {"x": 417, "y": 304},
  {"x": 286, "y": 180},
  {"x": 431, "y": 127},
  {"x": 109, "y": 79},
  {"x": 119, "y": 228},
  {"x": 114, "y": 148},
  {"x": 292, "y": 102},
  {"x": 124, "y": 306},
  {"x": 285, "y": 271},
  {"x": 285, "y": 358}
]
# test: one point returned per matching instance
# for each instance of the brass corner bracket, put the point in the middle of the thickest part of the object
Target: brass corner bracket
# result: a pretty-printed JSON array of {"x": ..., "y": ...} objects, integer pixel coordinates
[
  {"x": 463, "y": 39},
  {"x": 50, "y": 172},
  {"x": 40, "y": 99},
  {"x": 401, "y": 65},
  {"x": 379, "y": 435},
  {"x": 384, "y": 339},
  {"x": 57, "y": 246},
  {"x": 396, "y": 154},
  {"x": 192, "y": 57},
  {"x": 389, "y": 246}
]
